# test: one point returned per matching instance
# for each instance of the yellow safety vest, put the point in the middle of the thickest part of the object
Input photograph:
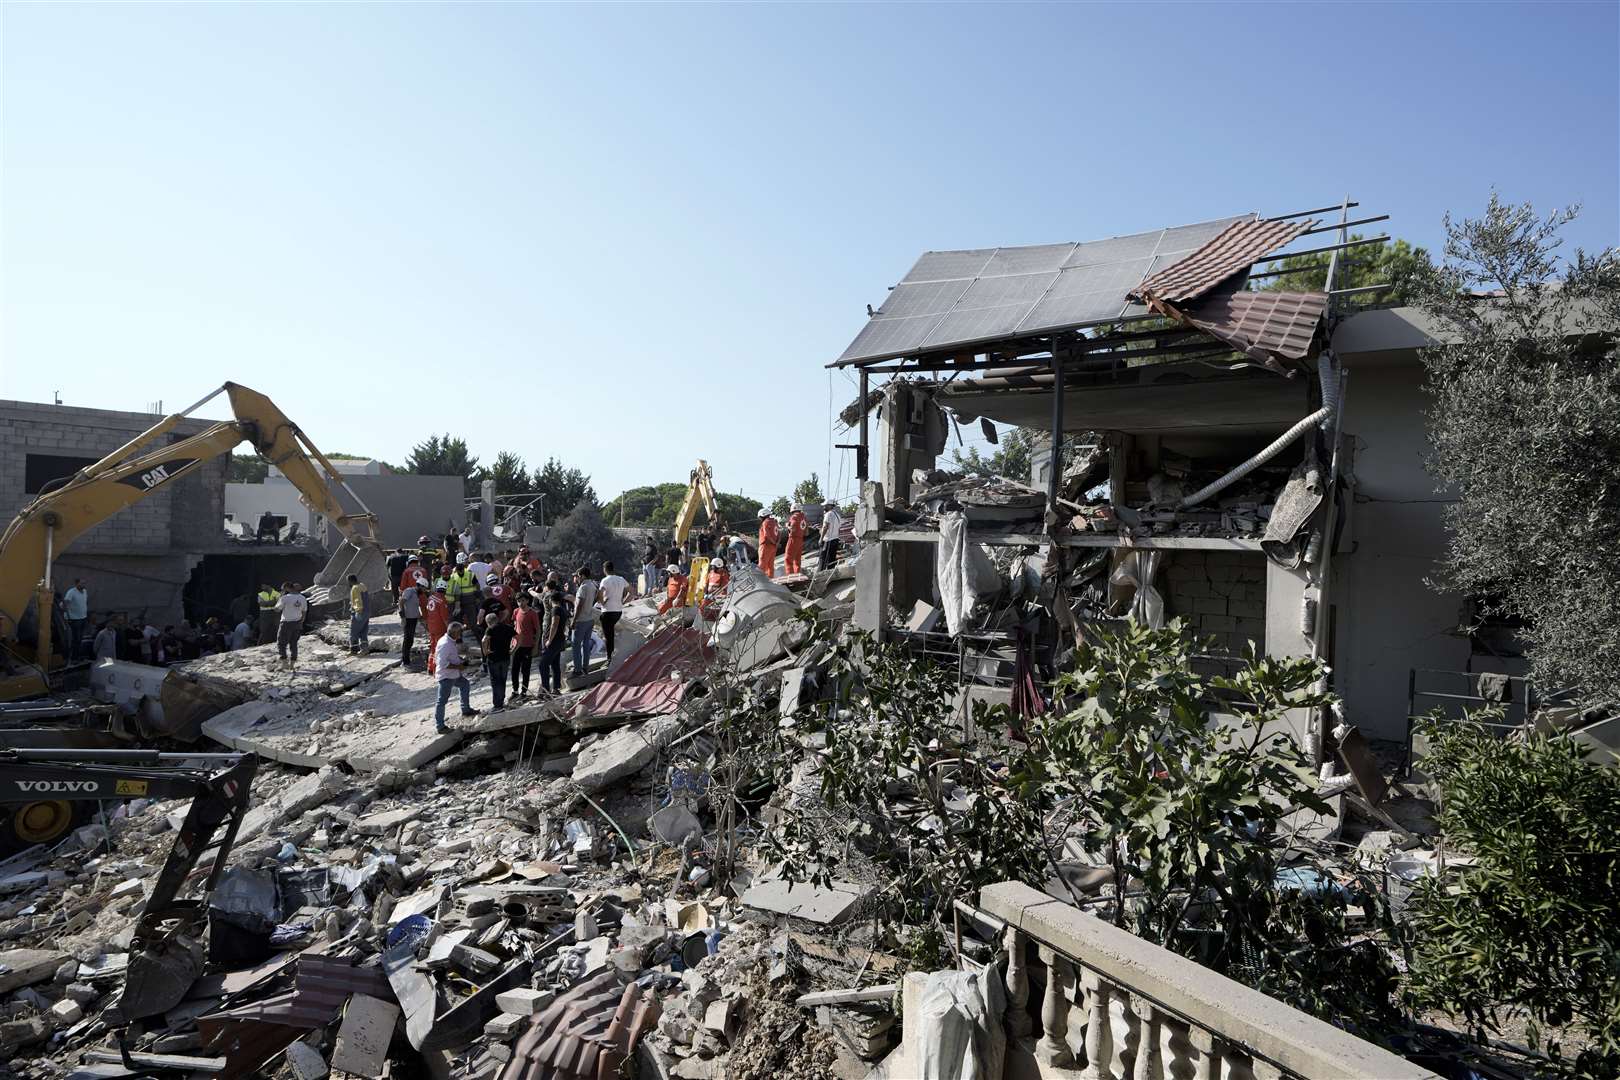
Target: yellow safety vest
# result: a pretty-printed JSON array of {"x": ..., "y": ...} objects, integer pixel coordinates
[
  {"x": 461, "y": 583},
  {"x": 267, "y": 599}
]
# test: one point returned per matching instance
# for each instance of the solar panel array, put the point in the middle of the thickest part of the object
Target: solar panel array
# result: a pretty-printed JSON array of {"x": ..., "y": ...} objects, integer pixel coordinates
[{"x": 953, "y": 299}]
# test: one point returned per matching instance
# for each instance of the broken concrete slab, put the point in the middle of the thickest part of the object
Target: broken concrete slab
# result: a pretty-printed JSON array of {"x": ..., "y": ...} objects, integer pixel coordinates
[
  {"x": 825, "y": 906},
  {"x": 24, "y": 967},
  {"x": 554, "y": 709},
  {"x": 385, "y": 723},
  {"x": 624, "y": 752},
  {"x": 363, "y": 1037}
]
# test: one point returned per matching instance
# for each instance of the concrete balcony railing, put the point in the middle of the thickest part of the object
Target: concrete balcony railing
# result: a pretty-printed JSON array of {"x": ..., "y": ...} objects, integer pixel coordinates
[{"x": 1116, "y": 1007}]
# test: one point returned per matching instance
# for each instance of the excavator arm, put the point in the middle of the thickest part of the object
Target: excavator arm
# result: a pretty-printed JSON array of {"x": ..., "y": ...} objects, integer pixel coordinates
[
  {"x": 700, "y": 489},
  {"x": 166, "y": 954},
  {"x": 45, "y": 527}
]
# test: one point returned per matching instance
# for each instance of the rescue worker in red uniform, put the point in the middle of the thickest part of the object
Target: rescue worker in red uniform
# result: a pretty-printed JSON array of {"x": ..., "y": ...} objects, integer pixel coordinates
[
  {"x": 436, "y": 614},
  {"x": 793, "y": 560},
  {"x": 676, "y": 589},
  {"x": 718, "y": 577},
  {"x": 769, "y": 534}
]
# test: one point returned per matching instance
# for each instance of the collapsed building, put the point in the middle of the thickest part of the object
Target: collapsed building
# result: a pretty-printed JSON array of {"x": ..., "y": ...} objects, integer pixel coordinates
[{"x": 1251, "y": 462}]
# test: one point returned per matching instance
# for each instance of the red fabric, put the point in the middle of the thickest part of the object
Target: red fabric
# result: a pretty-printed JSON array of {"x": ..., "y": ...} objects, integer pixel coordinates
[
  {"x": 526, "y": 621},
  {"x": 411, "y": 576}
]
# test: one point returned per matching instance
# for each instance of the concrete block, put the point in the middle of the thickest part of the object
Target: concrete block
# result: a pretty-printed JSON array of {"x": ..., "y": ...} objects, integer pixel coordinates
[
  {"x": 24, "y": 967},
  {"x": 66, "y": 1013},
  {"x": 523, "y": 1001},
  {"x": 1190, "y": 589},
  {"x": 1247, "y": 609},
  {"x": 1209, "y": 605},
  {"x": 1218, "y": 624},
  {"x": 306, "y": 1061},
  {"x": 505, "y": 1027}
]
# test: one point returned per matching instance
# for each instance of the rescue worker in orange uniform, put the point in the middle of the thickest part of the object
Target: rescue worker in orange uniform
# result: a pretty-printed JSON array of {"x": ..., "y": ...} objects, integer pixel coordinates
[
  {"x": 719, "y": 577},
  {"x": 798, "y": 524},
  {"x": 769, "y": 534},
  {"x": 436, "y": 614},
  {"x": 676, "y": 588}
]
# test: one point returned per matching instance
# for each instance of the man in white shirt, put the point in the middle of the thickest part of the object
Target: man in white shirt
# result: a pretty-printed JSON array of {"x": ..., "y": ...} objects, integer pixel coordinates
[
  {"x": 292, "y": 606},
  {"x": 447, "y": 670},
  {"x": 467, "y": 539},
  {"x": 831, "y": 522},
  {"x": 611, "y": 591},
  {"x": 76, "y": 606},
  {"x": 480, "y": 567}
]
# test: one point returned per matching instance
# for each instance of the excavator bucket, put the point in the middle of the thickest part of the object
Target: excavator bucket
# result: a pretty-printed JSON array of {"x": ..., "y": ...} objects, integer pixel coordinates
[
  {"x": 161, "y": 973},
  {"x": 365, "y": 560}
]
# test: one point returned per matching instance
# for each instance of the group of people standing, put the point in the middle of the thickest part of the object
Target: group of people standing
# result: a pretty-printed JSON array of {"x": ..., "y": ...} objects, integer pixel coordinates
[{"x": 517, "y": 612}]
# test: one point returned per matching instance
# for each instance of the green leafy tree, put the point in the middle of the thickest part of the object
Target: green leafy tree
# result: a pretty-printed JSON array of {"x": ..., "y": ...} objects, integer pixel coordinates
[
  {"x": 1530, "y": 925},
  {"x": 1193, "y": 808},
  {"x": 1010, "y": 459},
  {"x": 1524, "y": 430},
  {"x": 781, "y": 506},
  {"x": 510, "y": 477},
  {"x": 246, "y": 469},
  {"x": 640, "y": 505},
  {"x": 443, "y": 455},
  {"x": 1394, "y": 263},
  {"x": 564, "y": 488},
  {"x": 582, "y": 538},
  {"x": 808, "y": 491}
]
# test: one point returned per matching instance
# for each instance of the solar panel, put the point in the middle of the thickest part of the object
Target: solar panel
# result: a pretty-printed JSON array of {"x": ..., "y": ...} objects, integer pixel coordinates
[{"x": 954, "y": 299}]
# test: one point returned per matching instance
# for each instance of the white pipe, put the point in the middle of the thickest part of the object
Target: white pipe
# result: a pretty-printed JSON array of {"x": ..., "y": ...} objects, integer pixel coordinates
[{"x": 1327, "y": 374}]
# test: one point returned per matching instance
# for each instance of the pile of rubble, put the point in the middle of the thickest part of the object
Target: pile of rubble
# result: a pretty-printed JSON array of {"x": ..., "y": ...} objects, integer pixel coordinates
[{"x": 541, "y": 892}]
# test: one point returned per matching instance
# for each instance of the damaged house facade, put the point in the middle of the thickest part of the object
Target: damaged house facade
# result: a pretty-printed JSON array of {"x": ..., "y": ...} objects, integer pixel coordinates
[{"x": 1251, "y": 462}]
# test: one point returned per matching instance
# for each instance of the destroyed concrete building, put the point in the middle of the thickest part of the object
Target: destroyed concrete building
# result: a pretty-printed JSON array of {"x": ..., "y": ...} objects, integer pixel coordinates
[{"x": 1250, "y": 462}]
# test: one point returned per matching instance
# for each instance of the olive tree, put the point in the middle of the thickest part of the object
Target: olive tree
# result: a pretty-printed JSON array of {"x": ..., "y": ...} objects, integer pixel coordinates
[{"x": 1524, "y": 425}]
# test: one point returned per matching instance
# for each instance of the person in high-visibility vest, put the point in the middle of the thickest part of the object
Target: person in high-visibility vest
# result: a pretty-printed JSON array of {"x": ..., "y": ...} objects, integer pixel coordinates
[
  {"x": 769, "y": 534},
  {"x": 793, "y": 557},
  {"x": 269, "y": 613},
  {"x": 461, "y": 589}
]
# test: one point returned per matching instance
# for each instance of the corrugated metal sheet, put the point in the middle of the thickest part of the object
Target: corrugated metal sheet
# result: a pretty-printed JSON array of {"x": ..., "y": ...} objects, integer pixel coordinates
[
  {"x": 1261, "y": 324},
  {"x": 321, "y": 984},
  {"x": 654, "y": 678},
  {"x": 1235, "y": 250},
  {"x": 587, "y": 1033}
]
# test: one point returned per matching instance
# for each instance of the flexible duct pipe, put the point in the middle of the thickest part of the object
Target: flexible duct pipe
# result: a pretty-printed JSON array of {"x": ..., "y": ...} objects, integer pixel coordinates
[{"x": 1328, "y": 375}]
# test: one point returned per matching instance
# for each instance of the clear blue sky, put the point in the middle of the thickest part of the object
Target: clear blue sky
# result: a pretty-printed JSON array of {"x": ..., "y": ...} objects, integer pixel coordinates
[{"x": 632, "y": 235}]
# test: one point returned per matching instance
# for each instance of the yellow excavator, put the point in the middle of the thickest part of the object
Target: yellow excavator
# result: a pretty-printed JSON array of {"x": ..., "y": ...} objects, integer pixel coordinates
[
  {"x": 700, "y": 489},
  {"x": 46, "y": 526}
]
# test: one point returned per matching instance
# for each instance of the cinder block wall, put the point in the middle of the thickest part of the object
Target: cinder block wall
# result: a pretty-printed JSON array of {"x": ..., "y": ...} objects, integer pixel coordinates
[
  {"x": 137, "y": 559},
  {"x": 1220, "y": 594}
]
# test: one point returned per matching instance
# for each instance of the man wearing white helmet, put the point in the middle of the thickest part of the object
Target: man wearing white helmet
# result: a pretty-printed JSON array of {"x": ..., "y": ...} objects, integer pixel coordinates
[{"x": 770, "y": 532}]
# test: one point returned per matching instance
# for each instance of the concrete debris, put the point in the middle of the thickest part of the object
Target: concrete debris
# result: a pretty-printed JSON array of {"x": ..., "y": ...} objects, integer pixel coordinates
[{"x": 541, "y": 870}]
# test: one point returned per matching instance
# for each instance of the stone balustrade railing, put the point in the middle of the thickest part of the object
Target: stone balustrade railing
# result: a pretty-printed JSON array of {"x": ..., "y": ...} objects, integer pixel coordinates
[{"x": 1145, "y": 1013}]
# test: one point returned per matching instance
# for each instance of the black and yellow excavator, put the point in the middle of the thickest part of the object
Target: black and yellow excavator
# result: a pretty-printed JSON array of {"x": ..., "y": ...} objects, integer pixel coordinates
[
  {"x": 46, "y": 526},
  {"x": 699, "y": 491}
]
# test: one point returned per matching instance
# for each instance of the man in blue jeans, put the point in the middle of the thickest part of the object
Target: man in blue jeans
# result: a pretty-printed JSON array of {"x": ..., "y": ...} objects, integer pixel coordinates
[
  {"x": 585, "y": 593},
  {"x": 448, "y": 663}
]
